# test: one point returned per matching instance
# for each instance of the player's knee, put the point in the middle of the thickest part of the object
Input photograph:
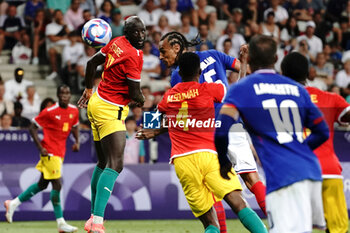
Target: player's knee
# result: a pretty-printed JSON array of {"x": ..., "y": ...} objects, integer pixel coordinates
[
  {"x": 43, "y": 185},
  {"x": 118, "y": 168},
  {"x": 235, "y": 201},
  {"x": 101, "y": 164}
]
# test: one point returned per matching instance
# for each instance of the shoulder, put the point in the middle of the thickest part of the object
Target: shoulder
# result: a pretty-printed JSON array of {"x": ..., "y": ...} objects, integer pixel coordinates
[
  {"x": 53, "y": 107},
  {"x": 71, "y": 106}
]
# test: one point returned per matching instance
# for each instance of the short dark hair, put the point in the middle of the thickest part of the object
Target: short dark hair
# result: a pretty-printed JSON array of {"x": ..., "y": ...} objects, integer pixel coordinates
[
  {"x": 45, "y": 102},
  {"x": 262, "y": 52},
  {"x": 189, "y": 66},
  {"x": 60, "y": 87},
  {"x": 130, "y": 118},
  {"x": 295, "y": 66}
]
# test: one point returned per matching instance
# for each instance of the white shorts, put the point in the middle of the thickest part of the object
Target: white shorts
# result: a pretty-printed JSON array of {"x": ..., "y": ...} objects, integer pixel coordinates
[
  {"x": 239, "y": 151},
  {"x": 296, "y": 208}
]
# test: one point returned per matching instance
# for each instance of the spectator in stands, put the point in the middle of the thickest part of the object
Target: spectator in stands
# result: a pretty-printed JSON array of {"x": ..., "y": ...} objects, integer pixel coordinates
[
  {"x": 137, "y": 114},
  {"x": 250, "y": 12},
  {"x": 203, "y": 35},
  {"x": 155, "y": 43},
  {"x": 290, "y": 31},
  {"x": 39, "y": 24},
  {"x": 240, "y": 26},
  {"x": 237, "y": 39},
  {"x": 149, "y": 98},
  {"x": 32, "y": 6},
  {"x": 269, "y": 27},
  {"x": 281, "y": 14},
  {"x": 343, "y": 77},
  {"x": 6, "y": 122},
  {"x": 295, "y": 9},
  {"x": 3, "y": 7},
  {"x": 313, "y": 6},
  {"x": 12, "y": 28},
  {"x": 174, "y": 17},
  {"x": 22, "y": 52},
  {"x": 326, "y": 30},
  {"x": 345, "y": 36},
  {"x": 314, "y": 44},
  {"x": 187, "y": 29},
  {"x": 228, "y": 49},
  {"x": 74, "y": 15},
  {"x": 86, "y": 17},
  {"x": 70, "y": 58},
  {"x": 6, "y": 106},
  {"x": 88, "y": 5},
  {"x": 163, "y": 25},
  {"x": 214, "y": 31},
  {"x": 56, "y": 33},
  {"x": 106, "y": 10},
  {"x": 185, "y": 6},
  {"x": 117, "y": 24},
  {"x": 150, "y": 14},
  {"x": 200, "y": 15},
  {"x": 18, "y": 120},
  {"x": 229, "y": 5},
  {"x": 61, "y": 5},
  {"x": 16, "y": 88},
  {"x": 324, "y": 69},
  {"x": 134, "y": 152},
  {"x": 31, "y": 105},
  {"x": 314, "y": 81},
  {"x": 47, "y": 102}
]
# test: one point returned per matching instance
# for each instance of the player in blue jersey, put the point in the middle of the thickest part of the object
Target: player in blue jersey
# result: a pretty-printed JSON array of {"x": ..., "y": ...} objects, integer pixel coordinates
[{"x": 275, "y": 110}]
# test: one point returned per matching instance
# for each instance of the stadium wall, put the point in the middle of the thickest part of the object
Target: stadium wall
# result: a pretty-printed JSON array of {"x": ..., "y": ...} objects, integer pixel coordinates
[{"x": 142, "y": 191}]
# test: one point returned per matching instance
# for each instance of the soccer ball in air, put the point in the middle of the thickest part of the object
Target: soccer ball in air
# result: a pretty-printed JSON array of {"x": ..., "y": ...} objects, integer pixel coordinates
[{"x": 96, "y": 33}]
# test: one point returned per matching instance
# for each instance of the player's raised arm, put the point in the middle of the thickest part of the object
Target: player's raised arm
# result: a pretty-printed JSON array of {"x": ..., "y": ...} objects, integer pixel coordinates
[
  {"x": 228, "y": 116},
  {"x": 98, "y": 59},
  {"x": 135, "y": 92}
]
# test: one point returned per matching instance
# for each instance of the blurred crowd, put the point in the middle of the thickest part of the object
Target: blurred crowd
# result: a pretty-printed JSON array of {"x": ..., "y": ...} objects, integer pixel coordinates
[{"x": 49, "y": 32}]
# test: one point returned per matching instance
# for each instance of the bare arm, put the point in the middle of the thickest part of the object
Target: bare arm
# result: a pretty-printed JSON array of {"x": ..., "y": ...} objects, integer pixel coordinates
[
  {"x": 90, "y": 72},
  {"x": 33, "y": 130},
  {"x": 135, "y": 93},
  {"x": 346, "y": 117},
  {"x": 75, "y": 132},
  {"x": 244, "y": 50}
]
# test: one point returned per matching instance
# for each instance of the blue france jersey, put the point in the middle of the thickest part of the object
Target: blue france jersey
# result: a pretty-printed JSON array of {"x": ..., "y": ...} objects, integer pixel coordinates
[
  {"x": 275, "y": 110},
  {"x": 213, "y": 65}
]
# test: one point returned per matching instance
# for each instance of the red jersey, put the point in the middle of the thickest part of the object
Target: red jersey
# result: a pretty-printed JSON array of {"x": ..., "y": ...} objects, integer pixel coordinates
[
  {"x": 123, "y": 62},
  {"x": 189, "y": 108},
  {"x": 333, "y": 108},
  {"x": 57, "y": 123}
]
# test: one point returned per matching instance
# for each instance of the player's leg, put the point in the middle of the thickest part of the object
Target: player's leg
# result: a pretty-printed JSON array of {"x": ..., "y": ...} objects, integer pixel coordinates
[
  {"x": 221, "y": 215},
  {"x": 241, "y": 156},
  {"x": 254, "y": 184},
  {"x": 11, "y": 205},
  {"x": 230, "y": 191},
  {"x": 210, "y": 221},
  {"x": 334, "y": 204},
  {"x": 57, "y": 208},
  {"x": 113, "y": 148}
]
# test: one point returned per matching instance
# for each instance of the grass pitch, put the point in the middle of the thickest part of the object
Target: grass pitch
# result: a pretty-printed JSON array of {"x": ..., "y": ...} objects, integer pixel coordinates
[{"x": 130, "y": 226}]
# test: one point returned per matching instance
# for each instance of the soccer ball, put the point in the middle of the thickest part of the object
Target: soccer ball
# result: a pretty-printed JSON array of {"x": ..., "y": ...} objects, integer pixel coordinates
[{"x": 96, "y": 33}]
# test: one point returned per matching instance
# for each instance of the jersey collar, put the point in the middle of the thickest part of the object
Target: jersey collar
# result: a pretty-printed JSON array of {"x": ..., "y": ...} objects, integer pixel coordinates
[{"x": 265, "y": 71}]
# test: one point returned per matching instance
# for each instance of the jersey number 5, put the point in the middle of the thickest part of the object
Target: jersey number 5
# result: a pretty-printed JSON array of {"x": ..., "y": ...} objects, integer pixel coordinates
[{"x": 284, "y": 126}]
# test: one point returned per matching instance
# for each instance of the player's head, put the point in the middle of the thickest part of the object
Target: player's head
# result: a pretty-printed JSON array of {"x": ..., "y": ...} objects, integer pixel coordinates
[
  {"x": 63, "y": 94},
  {"x": 189, "y": 67},
  {"x": 135, "y": 31},
  {"x": 172, "y": 45},
  {"x": 295, "y": 66},
  {"x": 262, "y": 52}
]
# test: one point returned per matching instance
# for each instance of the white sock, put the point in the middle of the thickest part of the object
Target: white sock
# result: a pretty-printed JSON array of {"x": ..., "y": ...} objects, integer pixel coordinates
[
  {"x": 97, "y": 220},
  {"x": 60, "y": 221},
  {"x": 15, "y": 202}
]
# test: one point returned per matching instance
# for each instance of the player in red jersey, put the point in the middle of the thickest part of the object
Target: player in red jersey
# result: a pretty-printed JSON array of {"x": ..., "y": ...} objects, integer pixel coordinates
[
  {"x": 57, "y": 122},
  {"x": 108, "y": 108},
  {"x": 334, "y": 109},
  {"x": 190, "y": 113}
]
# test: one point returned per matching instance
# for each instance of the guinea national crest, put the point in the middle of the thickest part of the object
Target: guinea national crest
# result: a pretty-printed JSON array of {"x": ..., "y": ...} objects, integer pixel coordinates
[{"x": 96, "y": 33}]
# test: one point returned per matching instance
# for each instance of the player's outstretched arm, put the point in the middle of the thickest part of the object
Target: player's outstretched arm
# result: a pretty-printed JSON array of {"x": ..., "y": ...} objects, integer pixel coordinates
[
  {"x": 76, "y": 145},
  {"x": 33, "y": 130},
  {"x": 243, "y": 57},
  {"x": 144, "y": 134},
  {"x": 92, "y": 64},
  {"x": 135, "y": 92},
  {"x": 227, "y": 117}
]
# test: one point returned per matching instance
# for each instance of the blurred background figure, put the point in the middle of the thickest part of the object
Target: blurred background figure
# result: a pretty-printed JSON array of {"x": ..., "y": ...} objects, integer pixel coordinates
[
  {"x": 134, "y": 152},
  {"x": 31, "y": 105},
  {"x": 6, "y": 106},
  {"x": 6, "y": 122},
  {"x": 18, "y": 120}
]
